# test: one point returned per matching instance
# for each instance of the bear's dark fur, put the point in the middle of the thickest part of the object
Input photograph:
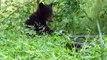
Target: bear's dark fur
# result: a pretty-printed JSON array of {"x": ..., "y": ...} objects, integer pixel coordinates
[{"x": 39, "y": 18}]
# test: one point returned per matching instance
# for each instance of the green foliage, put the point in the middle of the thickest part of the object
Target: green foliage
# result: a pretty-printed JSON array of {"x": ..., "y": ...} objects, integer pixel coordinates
[{"x": 70, "y": 17}]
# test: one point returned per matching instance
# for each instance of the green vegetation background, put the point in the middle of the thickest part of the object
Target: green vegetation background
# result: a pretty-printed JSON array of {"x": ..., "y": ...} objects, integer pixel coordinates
[{"x": 70, "y": 17}]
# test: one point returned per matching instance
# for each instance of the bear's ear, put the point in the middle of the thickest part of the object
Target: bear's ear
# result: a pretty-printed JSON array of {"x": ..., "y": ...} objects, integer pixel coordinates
[
  {"x": 51, "y": 4},
  {"x": 41, "y": 5}
]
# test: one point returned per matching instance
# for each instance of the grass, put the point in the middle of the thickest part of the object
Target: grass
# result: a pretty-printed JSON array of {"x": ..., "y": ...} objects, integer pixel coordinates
[
  {"x": 16, "y": 44},
  {"x": 20, "y": 43}
]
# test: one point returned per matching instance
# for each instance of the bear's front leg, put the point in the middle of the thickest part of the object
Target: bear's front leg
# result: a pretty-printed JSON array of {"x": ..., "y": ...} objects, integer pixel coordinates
[
  {"x": 38, "y": 29},
  {"x": 46, "y": 28}
]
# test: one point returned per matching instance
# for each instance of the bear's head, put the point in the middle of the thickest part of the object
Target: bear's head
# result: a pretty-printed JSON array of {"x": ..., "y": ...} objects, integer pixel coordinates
[{"x": 45, "y": 11}]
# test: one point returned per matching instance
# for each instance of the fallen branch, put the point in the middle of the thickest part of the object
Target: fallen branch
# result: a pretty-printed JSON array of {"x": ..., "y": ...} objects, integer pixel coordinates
[{"x": 85, "y": 36}]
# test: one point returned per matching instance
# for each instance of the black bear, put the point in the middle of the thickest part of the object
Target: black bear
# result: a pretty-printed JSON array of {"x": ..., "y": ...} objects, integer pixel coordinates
[{"x": 39, "y": 18}]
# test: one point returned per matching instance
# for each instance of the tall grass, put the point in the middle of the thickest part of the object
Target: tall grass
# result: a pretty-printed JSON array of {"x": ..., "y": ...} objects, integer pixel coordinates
[
  {"x": 15, "y": 43},
  {"x": 101, "y": 41}
]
